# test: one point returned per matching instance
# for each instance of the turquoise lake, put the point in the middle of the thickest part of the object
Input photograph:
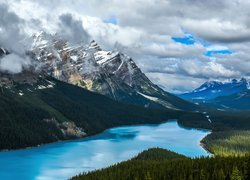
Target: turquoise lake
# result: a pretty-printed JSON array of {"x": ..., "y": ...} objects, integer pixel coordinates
[{"x": 63, "y": 160}]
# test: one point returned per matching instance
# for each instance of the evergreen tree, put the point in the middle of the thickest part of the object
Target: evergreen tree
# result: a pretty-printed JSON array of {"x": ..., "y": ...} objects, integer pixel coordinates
[
  {"x": 221, "y": 175},
  {"x": 202, "y": 175},
  {"x": 172, "y": 167},
  {"x": 227, "y": 177},
  {"x": 236, "y": 175},
  {"x": 247, "y": 167},
  {"x": 214, "y": 175}
]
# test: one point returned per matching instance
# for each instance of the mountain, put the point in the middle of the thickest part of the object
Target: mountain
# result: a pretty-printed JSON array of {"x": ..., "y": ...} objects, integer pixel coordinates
[
  {"x": 74, "y": 91},
  {"x": 61, "y": 94},
  {"x": 110, "y": 73},
  {"x": 237, "y": 101},
  {"x": 36, "y": 109},
  {"x": 214, "y": 89}
]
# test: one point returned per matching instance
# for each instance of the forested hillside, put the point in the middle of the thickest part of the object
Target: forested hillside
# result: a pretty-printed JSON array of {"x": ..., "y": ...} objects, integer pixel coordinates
[
  {"x": 33, "y": 114},
  {"x": 162, "y": 164},
  {"x": 50, "y": 110},
  {"x": 217, "y": 120},
  {"x": 228, "y": 143}
]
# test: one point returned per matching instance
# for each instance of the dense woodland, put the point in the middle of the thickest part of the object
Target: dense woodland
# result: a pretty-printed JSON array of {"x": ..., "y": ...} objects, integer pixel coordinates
[
  {"x": 22, "y": 117},
  {"x": 22, "y": 124},
  {"x": 230, "y": 131},
  {"x": 162, "y": 164},
  {"x": 22, "y": 120},
  {"x": 220, "y": 120},
  {"x": 228, "y": 143}
]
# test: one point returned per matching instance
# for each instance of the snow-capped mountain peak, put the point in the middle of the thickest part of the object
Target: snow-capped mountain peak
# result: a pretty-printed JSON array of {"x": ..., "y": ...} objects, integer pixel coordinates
[
  {"x": 110, "y": 73},
  {"x": 94, "y": 46},
  {"x": 102, "y": 57},
  {"x": 213, "y": 89},
  {"x": 207, "y": 85}
]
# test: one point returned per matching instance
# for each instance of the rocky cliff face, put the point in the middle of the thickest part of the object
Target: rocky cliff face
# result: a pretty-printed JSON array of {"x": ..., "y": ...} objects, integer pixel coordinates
[{"x": 68, "y": 129}]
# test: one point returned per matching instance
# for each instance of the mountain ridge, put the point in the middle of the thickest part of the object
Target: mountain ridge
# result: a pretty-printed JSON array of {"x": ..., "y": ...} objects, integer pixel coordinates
[
  {"x": 213, "y": 89},
  {"x": 223, "y": 96},
  {"x": 110, "y": 73}
]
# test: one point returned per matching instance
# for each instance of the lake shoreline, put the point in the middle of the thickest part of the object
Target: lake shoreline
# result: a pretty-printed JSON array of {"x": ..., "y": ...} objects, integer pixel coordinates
[
  {"x": 96, "y": 134},
  {"x": 114, "y": 145},
  {"x": 81, "y": 138}
]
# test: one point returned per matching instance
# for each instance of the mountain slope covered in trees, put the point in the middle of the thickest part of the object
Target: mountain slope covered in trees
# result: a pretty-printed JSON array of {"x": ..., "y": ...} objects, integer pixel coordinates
[
  {"x": 162, "y": 164},
  {"x": 228, "y": 143},
  {"x": 43, "y": 110}
]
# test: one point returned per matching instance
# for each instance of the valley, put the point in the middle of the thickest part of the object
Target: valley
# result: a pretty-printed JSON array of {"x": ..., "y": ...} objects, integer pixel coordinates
[
  {"x": 77, "y": 93},
  {"x": 133, "y": 90},
  {"x": 70, "y": 91}
]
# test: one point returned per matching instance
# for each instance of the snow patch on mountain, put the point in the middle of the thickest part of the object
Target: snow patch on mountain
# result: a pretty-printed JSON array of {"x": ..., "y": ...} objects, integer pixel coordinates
[
  {"x": 149, "y": 97},
  {"x": 248, "y": 85},
  {"x": 102, "y": 57}
]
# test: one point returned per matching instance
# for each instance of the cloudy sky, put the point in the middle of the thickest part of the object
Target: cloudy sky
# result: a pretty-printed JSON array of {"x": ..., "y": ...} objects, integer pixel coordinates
[{"x": 179, "y": 44}]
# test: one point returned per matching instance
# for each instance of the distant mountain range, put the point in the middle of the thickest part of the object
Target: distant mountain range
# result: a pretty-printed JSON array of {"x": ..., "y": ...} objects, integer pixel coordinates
[{"x": 234, "y": 94}]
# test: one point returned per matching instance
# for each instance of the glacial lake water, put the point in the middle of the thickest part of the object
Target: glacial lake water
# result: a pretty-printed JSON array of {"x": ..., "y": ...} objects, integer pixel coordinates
[{"x": 63, "y": 160}]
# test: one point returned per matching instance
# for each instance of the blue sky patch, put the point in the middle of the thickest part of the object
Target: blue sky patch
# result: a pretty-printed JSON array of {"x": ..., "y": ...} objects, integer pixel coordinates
[
  {"x": 211, "y": 53},
  {"x": 187, "y": 40},
  {"x": 111, "y": 20},
  {"x": 190, "y": 39}
]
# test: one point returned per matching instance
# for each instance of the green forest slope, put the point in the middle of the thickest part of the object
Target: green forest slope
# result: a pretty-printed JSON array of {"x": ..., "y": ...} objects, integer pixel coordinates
[
  {"x": 159, "y": 164},
  {"x": 33, "y": 114}
]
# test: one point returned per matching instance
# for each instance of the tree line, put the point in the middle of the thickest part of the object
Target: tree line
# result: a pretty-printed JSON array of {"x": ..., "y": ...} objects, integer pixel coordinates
[{"x": 159, "y": 165}]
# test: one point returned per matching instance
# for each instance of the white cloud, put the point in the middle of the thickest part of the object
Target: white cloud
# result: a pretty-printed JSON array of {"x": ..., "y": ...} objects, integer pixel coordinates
[
  {"x": 145, "y": 28},
  {"x": 72, "y": 29},
  {"x": 219, "y": 30},
  {"x": 13, "y": 63},
  {"x": 175, "y": 83},
  {"x": 109, "y": 34},
  {"x": 207, "y": 70},
  {"x": 12, "y": 38},
  {"x": 174, "y": 50}
]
